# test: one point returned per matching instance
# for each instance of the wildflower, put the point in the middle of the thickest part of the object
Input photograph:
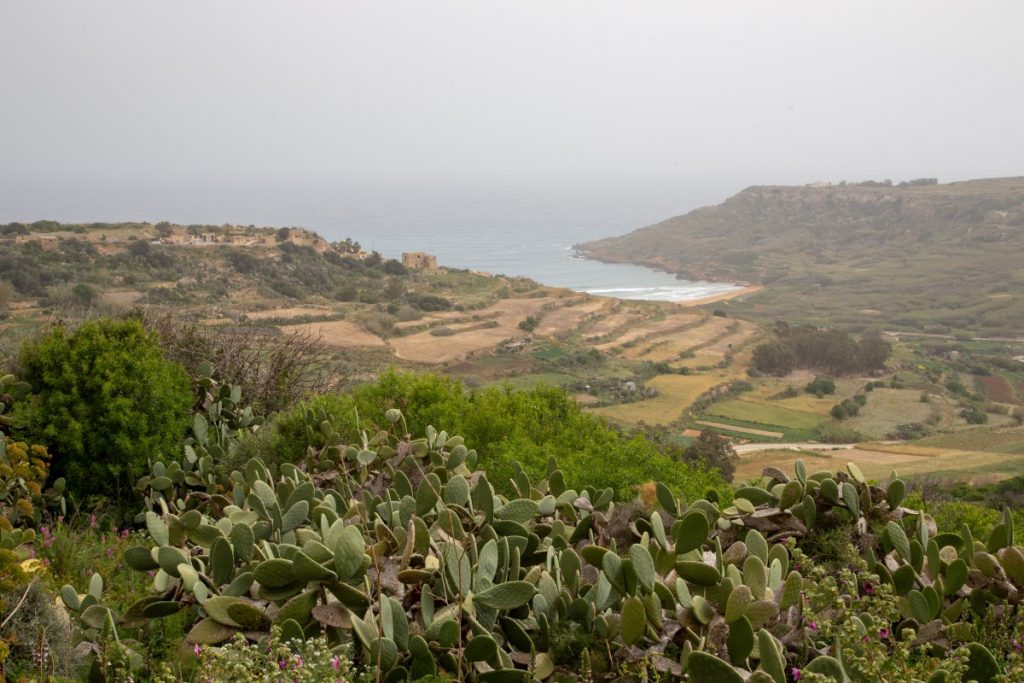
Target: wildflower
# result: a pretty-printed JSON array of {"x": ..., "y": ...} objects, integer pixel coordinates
[
  {"x": 812, "y": 625},
  {"x": 795, "y": 672},
  {"x": 197, "y": 650},
  {"x": 283, "y": 664},
  {"x": 336, "y": 661},
  {"x": 92, "y": 521},
  {"x": 884, "y": 633}
]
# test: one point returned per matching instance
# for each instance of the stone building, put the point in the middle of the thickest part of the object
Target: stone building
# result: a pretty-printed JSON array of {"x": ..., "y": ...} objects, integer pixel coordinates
[{"x": 418, "y": 260}]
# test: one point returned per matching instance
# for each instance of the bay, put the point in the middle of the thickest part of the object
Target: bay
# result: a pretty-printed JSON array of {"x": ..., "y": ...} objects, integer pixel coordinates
[{"x": 509, "y": 230}]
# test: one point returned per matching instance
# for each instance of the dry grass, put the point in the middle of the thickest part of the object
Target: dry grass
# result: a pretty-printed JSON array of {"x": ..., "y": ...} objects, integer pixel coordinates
[
  {"x": 887, "y": 408},
  {"x": 672, "y": 323},
  {"x": 338, "y": 334},
  {"x": 424, "y": 347},
  {"x": 293, "y": 312},
  {"x": 877, "y": 461},
  {"x": 429, "y": 318},
  {"x": 613, "y": 322},
  {"x": 907, "y": 449},
  {"x": 675, "y": 394},
  {"x": 123, "y": 298},
  {"x": 667, "y": 347},
  {"x": 567, "y": 318}
]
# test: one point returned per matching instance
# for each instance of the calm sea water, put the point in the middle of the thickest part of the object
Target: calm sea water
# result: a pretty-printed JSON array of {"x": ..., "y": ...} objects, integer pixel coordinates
[{"x": 508, "y": 231}]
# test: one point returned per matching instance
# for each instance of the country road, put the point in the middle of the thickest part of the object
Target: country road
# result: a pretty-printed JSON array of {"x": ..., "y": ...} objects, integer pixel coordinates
[{"x": 806, "y": 446}]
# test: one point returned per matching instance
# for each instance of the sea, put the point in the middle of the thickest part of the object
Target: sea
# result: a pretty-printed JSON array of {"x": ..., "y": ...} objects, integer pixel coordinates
[{"x": 506, "y": 230}]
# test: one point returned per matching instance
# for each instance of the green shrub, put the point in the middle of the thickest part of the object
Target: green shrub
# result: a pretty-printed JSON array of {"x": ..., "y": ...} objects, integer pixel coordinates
[
  {"x": 529, "y": 324},
  {"x": 820, "y": 386},
  {"x": 911, "y": 430},
  {"x": 106, "y": 401},
  {"x": 505, "y": 425},
  {"x": 833, "y": 432}
]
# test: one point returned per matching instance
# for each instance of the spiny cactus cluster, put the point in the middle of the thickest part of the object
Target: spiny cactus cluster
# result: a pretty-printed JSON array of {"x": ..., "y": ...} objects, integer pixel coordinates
[{"x": 402, "y": 548}]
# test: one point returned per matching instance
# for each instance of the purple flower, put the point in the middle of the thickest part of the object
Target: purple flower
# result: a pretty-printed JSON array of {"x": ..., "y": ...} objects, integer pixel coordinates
[
  {"x": 336, "y": 662},
  {"x": 812, "y": 625},
  {"x": 795, "y": 672},
  {"x": 884, "y": 633},
  {"x": 92, "y": 521},
  {"x": 283, "y": 664},
  {"x": 197, "y": 650}
]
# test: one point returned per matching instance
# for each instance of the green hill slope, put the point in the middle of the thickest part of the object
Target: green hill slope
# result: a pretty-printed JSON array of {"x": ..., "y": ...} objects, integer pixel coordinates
[{"x": 917, "y": 256}]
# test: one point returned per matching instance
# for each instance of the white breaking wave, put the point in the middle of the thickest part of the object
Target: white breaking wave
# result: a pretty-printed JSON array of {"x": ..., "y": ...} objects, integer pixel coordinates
[{"x": 687, "y": 292}]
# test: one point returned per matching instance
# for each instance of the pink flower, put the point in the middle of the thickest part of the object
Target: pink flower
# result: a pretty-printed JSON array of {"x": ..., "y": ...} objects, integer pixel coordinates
[
  {"x": 92, "y": 521},
  {"x": 336, "y": 662},
  {"x": 884, "y": 633},
  {"x": 197, "y": 650},
  {"x": 795, "y": 672},
  {"x": 283, "y": 664},
  {"x": 812, "y": 625}
]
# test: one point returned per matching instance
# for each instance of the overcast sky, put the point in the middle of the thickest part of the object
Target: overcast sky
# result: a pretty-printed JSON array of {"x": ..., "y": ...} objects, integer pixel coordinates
[{"x": 473, "y": 92}]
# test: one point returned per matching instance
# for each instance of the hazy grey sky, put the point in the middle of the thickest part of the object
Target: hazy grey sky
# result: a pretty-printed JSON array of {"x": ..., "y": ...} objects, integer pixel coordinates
[{"x": 453, "y": 92}]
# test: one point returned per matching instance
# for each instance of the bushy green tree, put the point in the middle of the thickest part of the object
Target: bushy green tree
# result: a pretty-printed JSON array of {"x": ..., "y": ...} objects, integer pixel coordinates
[
  {"x": 713, "y": 450},
  {"x": 105, "y": 401},
  {"x": 820, "y": 386}
]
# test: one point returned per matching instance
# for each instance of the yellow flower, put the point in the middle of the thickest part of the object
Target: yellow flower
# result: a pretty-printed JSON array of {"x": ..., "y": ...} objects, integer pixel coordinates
[{"x": 32, "y": 566}]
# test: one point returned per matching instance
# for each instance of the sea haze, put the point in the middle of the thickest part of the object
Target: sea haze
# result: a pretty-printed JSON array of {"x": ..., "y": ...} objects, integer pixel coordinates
[{"x": 526, "y": 233}]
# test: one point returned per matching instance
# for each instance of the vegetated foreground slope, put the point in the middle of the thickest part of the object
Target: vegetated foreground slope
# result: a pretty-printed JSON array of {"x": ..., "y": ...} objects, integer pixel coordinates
[{"x": 916, "y": 256}]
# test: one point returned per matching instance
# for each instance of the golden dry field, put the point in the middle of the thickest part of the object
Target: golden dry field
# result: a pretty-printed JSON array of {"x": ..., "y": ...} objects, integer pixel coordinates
[{"x": 675, "y": 394}]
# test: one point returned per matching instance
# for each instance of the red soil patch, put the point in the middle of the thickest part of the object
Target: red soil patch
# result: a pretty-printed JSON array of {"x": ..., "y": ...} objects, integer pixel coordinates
[{"x": 998, "y": 389}]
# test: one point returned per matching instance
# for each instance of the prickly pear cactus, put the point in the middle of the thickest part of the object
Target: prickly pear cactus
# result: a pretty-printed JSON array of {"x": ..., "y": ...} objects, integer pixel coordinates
[{"x": 401, "y": 548}]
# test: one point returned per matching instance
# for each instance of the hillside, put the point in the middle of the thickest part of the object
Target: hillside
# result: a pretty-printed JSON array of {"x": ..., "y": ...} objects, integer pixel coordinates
[{"x": 913, "y": 256}]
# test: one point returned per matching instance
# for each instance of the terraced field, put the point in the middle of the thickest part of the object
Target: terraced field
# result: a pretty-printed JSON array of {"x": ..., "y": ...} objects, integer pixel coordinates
[
  {"x": 568, "y": 318},
  {"x": 650, "y": 330},
  {"x": 765, "y": 414},
  {"x": 667, "y": 347},
  {"x": 470, "y": 338},
  {"x": 340, "y": 334},
  {"x": 675, "y": 394}
]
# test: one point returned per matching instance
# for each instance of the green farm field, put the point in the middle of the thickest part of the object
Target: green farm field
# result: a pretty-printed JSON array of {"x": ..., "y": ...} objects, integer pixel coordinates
[{"x": 765, "y": 414}]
